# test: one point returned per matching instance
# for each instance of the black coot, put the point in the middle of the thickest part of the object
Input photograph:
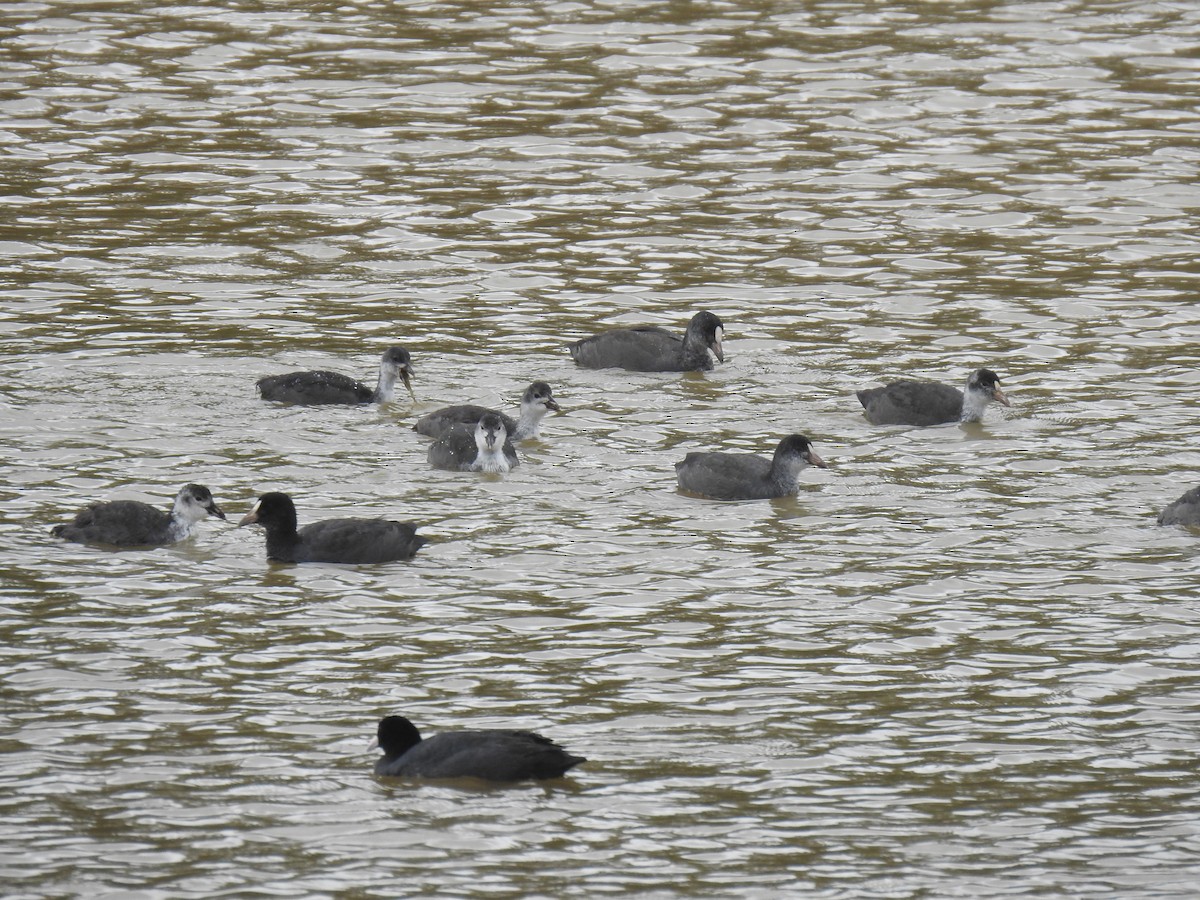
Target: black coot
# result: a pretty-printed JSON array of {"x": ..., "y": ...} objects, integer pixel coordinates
[
  {"x": 131, "y": 523},
  {"x": 931, "y": 402},
  {"x": 648, "y": 348},
  {"x": 493, "y": 755},
  {"x": 744, "y": 476},
  {"x": 537, "y": 400},
  {"x": 316, "y": 388},
  {"x": 331, "y": 540}
]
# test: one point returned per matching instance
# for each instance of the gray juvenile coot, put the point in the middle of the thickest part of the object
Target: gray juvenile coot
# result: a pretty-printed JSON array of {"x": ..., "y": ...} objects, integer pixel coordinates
[
  {"x": 535, "y": 403},
  {"x": 314, "y": 388},
  {"x": 1184, "y": 511},
  {"x": 744, "y": 476},
  {"x": 647, "y": 348},
  {"x": 131, "y": 523},
  {"x": 931, "y": 402},
  {"x": 331, "y": 540},
  {"x": 493, "y": 755},
  {"x": 482, "y": 448}
]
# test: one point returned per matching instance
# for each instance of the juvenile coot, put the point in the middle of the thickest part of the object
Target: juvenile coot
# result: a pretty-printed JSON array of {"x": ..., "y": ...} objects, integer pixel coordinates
[
  {"x": 483, "y": 448},
  {"x": 314, "y": 388},
  {"x": 131, "y": 523},
  {"x": 1184, "y": 511},
  {"x": 535, "y": 403},
  {"x": 493, "y": 755},
  {"x": 648, "y": 348},
  {"x": 744, "y": 476},
  {"x": 931, "y": 402},
  {"x": 331, "y": 540}
]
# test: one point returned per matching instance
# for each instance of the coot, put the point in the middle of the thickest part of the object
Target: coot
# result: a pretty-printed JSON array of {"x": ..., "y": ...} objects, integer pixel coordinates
[
  {"x": 331, "y": 540},
  {"x": 482, "y": 448},
  {"x": 314, "y": 388},
  {"x": 648, "y": 348},
  {"x": 744, "y": 476},
  {"x": 1184, "y": 511},
  {"x": 535, "y": 403},
  {"x": 930, "y": 402},
  {"x": 493, "y": 755},
  {"x": 131, "y": 523}
]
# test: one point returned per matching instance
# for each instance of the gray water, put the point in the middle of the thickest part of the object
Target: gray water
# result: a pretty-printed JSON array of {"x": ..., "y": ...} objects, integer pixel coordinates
[{"x": 961, "y": 662}]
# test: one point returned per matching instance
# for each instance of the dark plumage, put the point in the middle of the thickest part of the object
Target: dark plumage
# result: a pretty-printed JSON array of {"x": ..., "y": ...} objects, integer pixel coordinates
[
  {"x": 1184, "y": 511},
  {"x": 318, "y": 388},
  {"x": 331, "y": 540},
  {"x": 492, "y": 755},
  {"x": 930, "y": 402},
  {"x": 482, "y": 448},
  {"x": 131, "y": 523},
  {"x": 648, "y": 348},
  {"x": 744, "y": 476},
  {"x": 535, "y": 403}
]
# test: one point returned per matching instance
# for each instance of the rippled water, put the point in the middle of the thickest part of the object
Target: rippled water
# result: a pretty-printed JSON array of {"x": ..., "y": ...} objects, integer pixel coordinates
[{"x": 960, "y": 662}]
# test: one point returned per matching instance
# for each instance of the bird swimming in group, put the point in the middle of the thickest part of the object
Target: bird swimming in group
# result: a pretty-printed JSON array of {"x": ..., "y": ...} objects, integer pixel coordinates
[
  {"x": 482, "y": 448},
  {"x": 536, "y": 402},
  {"x": 320, "y": 387},
  {"x": 330, "y": 540},
  {"x": 745, "y": 476},
  {"x": 492, "y": 755},
  {"x": 909, "y": 402},
  {"x": 131, "y": 523},
  {"x": 648, "y": 348},
  {"x": 1184, "y": 511}
]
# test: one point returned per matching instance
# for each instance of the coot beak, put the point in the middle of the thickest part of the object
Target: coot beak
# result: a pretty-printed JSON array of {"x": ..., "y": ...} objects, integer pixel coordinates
[
  {"x": 716, "y": 343},
  {"x": 405, "y": 376},
  {"x": 552, "y": 404},
  {"x": 814, "y": 460},
  {"x": 250, "y": 518},
  {"x": 213, "y": 510},
  {"x": 998, "y": 396}
]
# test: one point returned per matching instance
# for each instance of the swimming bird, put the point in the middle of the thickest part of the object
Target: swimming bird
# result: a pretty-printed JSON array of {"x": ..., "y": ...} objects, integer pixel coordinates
[
  {"x": 930, "y": 402},
  {"x": 536, "y": 402},
  {"x": 492, "y": 754},
  {"x": 1184, "y": 511},
  {"x": 745, "y": 476},
  {"x": 330, "y": 540},
  {"x": 648, "y": 348},
  {"x": 484, "y": 448},
  {"x": 320, "y": 387},
  {"x": 131, "y": 523}
]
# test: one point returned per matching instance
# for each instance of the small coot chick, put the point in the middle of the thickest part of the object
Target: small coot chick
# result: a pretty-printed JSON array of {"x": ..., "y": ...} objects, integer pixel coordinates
[
  {"x": 331, "y": 540},
  {"x": 131, "y": 523},
  {"x": 744, "y": 476},
  {"x": 931, "y": 402},
  {"x": 536, "y": 402},
  {"x": 648, "y": 348},
  {"x": 1184, "y": 511},
  {"x": 315, "y": 388},
  {"x": 483, "y": 448},
  {"x": 493, "y": 755}
]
